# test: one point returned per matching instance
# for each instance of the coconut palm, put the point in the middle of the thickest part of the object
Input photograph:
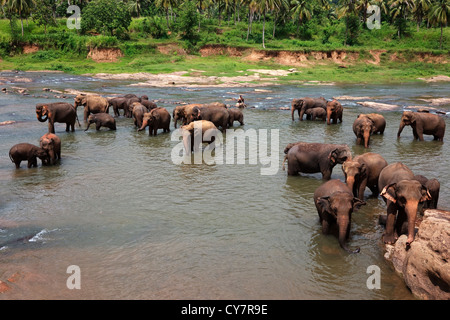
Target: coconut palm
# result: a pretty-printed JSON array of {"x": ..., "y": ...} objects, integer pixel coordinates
[
  {"x": 420, "y": 10},
  {"x": 345, "y": 9},
  {"x": 440, "y": 14},
  {"x": 399, "y": 11},
  {"x": 20, "y": 7},
  {"x": 301, "y": 9}
]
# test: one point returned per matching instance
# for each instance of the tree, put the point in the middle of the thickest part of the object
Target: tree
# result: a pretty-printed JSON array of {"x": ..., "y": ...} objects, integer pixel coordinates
[
  {"x": 188, "y": 21},
  {"x": 440, "y": 14},
  {"x": 347, "y": 9},
  {"x": 43, "y": 14},
  {"x": 399, "y": 11},
  {"x": 20, "y": 7},
  {"x": 166, "y": 5},
  {"x": 105, "y": 16},
  {"x": 301, "y": 9},
  {"x": 420, "y": 10}
]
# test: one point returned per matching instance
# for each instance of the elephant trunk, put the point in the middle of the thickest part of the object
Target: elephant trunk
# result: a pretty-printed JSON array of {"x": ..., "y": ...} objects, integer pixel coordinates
[
  {"x": 144, "y": 124},
  {"x": 366, "y": 135},
  {"x": 344, "y": 226},
  {"x": 400, "y": 129},
  {"x": 350, "y": 180},
  {"x": 411, "y": 213},
  {"x": 329, "y": 112},
  {"x": 41, "y": 118},
  {"x": 175, "y": 120}
]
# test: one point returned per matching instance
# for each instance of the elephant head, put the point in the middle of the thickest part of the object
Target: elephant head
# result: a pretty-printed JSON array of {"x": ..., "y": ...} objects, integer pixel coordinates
[
  {"x": 42, "y": 112},
  {"x": 149, "y": 119},
  {"x": 196, "y": 114},
  {"x": 354, "y": 171},
  {"x": 80, "y": 100},
  {"x": 364, "y": 128},
  {"x": 408, "y": 118},
  {"x": 407, "y": 194},
  {"x": 47, "y": 143},
  {"x": 340, "y": 155},
  {"x": 339, "y": 207},
  {"x": 332, "y": 107}
]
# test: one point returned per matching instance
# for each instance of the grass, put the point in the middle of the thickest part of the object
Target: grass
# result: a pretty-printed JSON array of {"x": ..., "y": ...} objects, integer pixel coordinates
[{"x": 66, "y": 50}]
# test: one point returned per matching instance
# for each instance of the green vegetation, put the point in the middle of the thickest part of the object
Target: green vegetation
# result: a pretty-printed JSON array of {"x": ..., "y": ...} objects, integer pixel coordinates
[{"x": 409, "y": 29}]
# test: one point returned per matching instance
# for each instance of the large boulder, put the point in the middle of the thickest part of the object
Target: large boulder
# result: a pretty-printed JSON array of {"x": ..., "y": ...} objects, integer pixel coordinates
[{"x": 425, "y": 264}]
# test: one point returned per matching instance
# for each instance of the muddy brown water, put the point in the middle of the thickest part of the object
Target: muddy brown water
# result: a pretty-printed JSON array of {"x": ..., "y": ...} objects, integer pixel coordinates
[{"x": 139, "y": 226}]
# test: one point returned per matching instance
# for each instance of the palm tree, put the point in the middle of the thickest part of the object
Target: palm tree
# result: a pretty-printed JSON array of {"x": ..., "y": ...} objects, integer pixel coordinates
[
  {"x": 345, "y": 9},
  {"x": 264, "y": 6},
  {"x": 440, "y": 14},
  {"x": 400, "y": 9},
  {"x": 301, "y": 9},
  {"x": 166, "y": 4},
  {"x": 420, "y": 10},
  {"x": 21, "y": 7},
  {"x": 252, "y": 7}
]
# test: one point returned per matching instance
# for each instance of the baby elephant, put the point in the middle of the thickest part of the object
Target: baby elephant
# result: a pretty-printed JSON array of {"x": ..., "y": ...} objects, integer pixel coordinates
[
  {"x": 314, "y": 113},
  {"x": 26, "y": 151},
  {"x": 335, "y": 203},
  {"x": 101, "y": 120},
  {"x": 51, "y": 143}
]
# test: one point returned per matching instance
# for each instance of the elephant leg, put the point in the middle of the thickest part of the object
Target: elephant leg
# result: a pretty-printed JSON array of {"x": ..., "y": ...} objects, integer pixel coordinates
[
  {"x": 419, "y": 133},
  {"x": 86, "y": 114},
  {"x": 389, "y": 236},
  {"x": 301, "y": 113},
  {"x": 97, "y": 126},
  {"x": 51, "y": 126},
  {"x": 67, "y": 127},
  {"x": 361, "y": 189},
  {"x": 325, "y": 226}
]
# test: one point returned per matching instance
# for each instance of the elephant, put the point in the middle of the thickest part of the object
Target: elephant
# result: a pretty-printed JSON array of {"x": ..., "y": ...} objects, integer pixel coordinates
[
  {"x": 335, "y": 203},
  {"x": 366, "y": 125},
  {"x": 402, "y": 194},
  {"x": 334, "y": 111},
  {"x": 216, "y": 113},
  {"x": 314, "y": 113},
  {"x": 433, "y": 185},
  {"x": 190, "y": 135},
  {"x": 179, "y": 113},
  {"x": 306, "y": 103},
  {"x": 118, "y": 103},
  {"x": 148, "y": 104},
  {"x": 315, "y": 157},
  {"x": 51, "y": 143},
  {"x": 62, "y": 112},
  {"x": 101, "y": 120},
  {"x": 138, "y": 113},
  {"x": 129, "y": 106},
  {"x": 235, "y": 114},
  {"x": 158, "y": 118},
  {"x": 27, "y": 151},
  {"x": 92, "y": 104},
  {"x": 423, "y": 123},
  {"x": 363, "y": 171}
]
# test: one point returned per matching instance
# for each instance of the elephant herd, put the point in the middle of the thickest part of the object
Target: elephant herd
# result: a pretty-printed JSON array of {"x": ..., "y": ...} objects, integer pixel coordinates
[
  {"x": 400, "y": 188},
  {"x": 145, "y": 113},
  {"x": 335, "y": 200}
]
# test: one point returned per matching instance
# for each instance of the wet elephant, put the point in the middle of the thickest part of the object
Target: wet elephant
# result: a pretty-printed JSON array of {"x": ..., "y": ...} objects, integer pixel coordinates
[
  {"x": 138, "y": 113},
  {"x": 366, "y": 125},
  {"x": 335, "y": 203},
  {"x": 303, "y": 104},
  {"x": 314, "y": 113},
  {"x": 363, "y": 171},
  {"x": 216, "y": 113},
  {"x": 402, "y": 194},
  {"x": 423, "y": 123},
  {"x": 92, "y": 104},
  {"x": 101, "y": 120},
  {"x": 315, "y": 157},
  {"x": 51, "y": 143},
  {"x": 433, "y": 185},
  {"x": 117, "y": 104},
  {"x": 235, "y": 114},
  {"x": 158, "y": 118},
  {"x": 61, "y": 112},
  {"x": 27, "y": 152},
  {"x": 334, "y": 111},
  {"x": 201, "y": 131}
]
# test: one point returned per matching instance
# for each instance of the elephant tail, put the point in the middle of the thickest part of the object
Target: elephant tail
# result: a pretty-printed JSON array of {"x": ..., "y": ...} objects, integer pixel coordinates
[{"x": 284, "y": 160}]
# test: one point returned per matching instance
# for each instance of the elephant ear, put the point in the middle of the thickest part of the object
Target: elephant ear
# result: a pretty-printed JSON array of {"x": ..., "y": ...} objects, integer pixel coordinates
[
  {"x": 357, "y": 203},
  {"x": 363, "y": 170},
  {"x": 333, "y": 156},
  {"x": 324, "y": 203},
  {"x": 412, "y": 118},
  {"x": 387, "y": 192},
  {"x": 425, "y": 194}
]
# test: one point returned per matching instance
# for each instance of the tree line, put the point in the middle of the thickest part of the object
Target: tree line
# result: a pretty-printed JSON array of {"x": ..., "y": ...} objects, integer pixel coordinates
[{"x": 108, "y": 16}]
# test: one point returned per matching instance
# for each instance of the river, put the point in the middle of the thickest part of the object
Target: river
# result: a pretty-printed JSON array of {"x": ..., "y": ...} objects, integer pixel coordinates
[{"x": 139, "y": 226}]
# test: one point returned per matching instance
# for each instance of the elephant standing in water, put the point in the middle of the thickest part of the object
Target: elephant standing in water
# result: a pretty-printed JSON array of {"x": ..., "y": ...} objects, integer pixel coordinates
[
  {"x": 191, "y": 135},
  {"x": 29, "y": 152},
  {"x": 314, "y": 113},
  {"x": 335, "y": 203},
  {"x": 51, "y": 143},
  {"x": 315, "y": 157},
  {"x": 334, "y": 111},
  {"x": 138, "y": 113},
  {"x": 303, "y": 104},
  {"x": 366, "y": 125},
  {"x": 423, "y": 123},
  {"x": 402, "y": 193},
  {"x": 62, "y": 112},
  {"x": 433, "y": 186},
  {"x": 363, "y": 171},
  {"x": 92, "y": 104},
  {"x": 101, "y": 120},
  {"x": 158, "y": 118}
]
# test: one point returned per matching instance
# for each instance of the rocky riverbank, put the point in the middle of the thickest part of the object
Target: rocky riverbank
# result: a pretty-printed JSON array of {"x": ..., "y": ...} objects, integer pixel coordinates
[{"x": 425, "y": 264}]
